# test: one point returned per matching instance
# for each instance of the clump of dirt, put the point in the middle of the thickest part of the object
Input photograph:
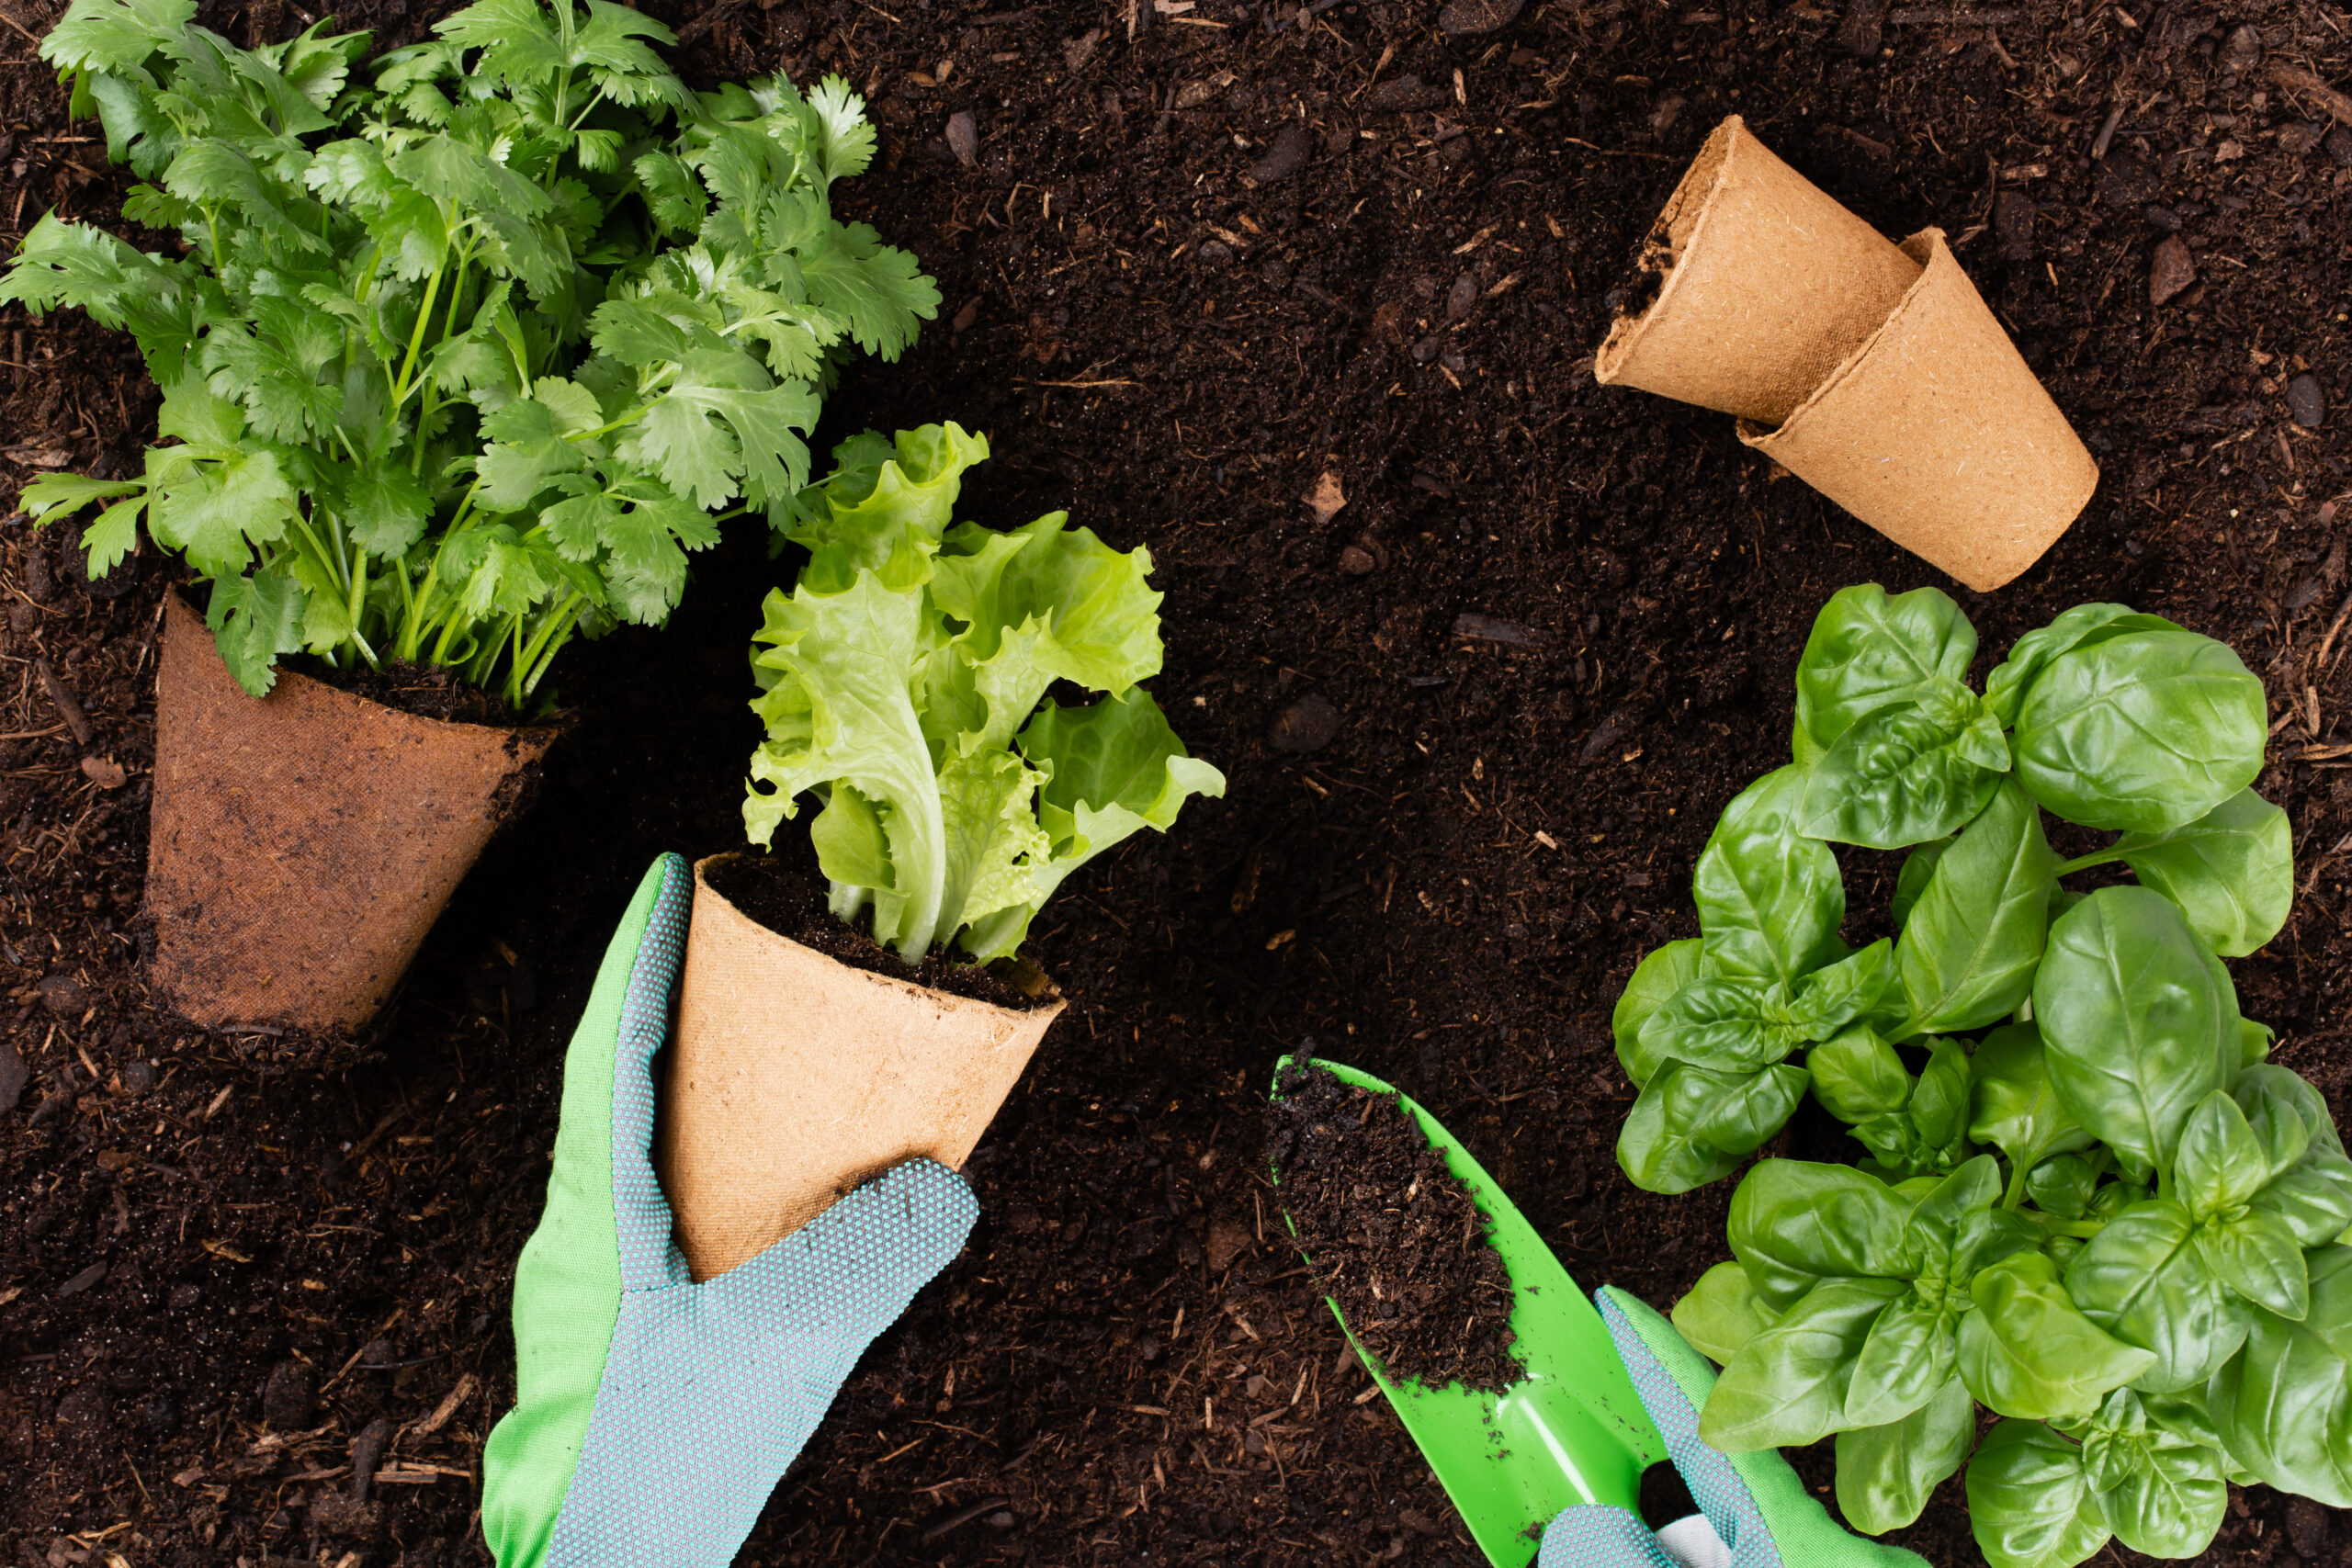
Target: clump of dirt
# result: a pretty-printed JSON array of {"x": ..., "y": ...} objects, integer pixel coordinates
[
  {"x": 784, "y": 892},
  {"x": 1391, "y": 1233}
]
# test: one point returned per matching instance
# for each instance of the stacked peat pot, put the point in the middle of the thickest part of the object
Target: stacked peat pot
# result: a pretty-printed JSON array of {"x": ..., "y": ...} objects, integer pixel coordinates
[
  {"x": 903, "y": 686},
  {"x": 473, "y": 350},
  {"x": 1873, "y": 371}
]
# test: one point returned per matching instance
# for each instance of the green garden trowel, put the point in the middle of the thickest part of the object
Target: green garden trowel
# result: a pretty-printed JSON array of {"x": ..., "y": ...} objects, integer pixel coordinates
[{"x": 1571, "y": 1430}]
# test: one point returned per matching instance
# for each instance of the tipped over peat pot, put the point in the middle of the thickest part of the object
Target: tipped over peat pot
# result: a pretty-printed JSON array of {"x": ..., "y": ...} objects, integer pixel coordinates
[
  {"x": 1873, "y": 371},
  {"x": 303, "y": 843},
  {"x": 792, "y": 1076}
]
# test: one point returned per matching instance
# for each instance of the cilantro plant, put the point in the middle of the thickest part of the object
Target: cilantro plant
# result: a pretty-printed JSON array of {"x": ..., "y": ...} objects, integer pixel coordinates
[
  {"x": 467, "y": 345},
  {"x": 2085, "y": 1200},
  {"x": 903, "y": 683}
]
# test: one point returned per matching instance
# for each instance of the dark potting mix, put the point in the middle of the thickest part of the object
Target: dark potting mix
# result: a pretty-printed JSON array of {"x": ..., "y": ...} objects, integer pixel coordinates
[
  {"x": 1391, "y": 1233},
  {"x": 783, "y": 890}
]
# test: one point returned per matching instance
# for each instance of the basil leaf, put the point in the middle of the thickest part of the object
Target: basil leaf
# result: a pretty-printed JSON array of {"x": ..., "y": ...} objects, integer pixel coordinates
[
  {"x": 2313, "y": 1195},
  {"x": 1866, "y": 651},
  {"x": 1976, "y": 934},
  {"x": 2222, "y": 1164},
  {"x": 2256, "y": 1256},
  {"x": 2027, "y": 1350},
  {"x": 1657, "y": 978},
  {"x": 1795, "y": 1223},
  {"x": 2284, "y": 1407},
  {"x": 1912, "y": 880},
  {"x": 1770, "y": 897},
  {"x": 1885, "y": 1472},
  {"x": 1857, "y": 1075},
  {"x": 1787, "y": 1386},
  {"x": 2143, "y": 1279},
  {"x": 1908, "y": 1354},
  {"x": 2160, "y": 1493},
  {"x": 1726, "y": 1023},
  {"x": 2005, "y": 688},
  {"x": 1908, "y": 773},
  {"x": 2231, "y": 871},
  {"x": 2028, "y": 1502},
  {"x": 1660, "y": 1148},
  {"x": 2129, "y": 1019},
  {"x": 2062, "y": 1184},
  {"x": 2015, "y": 1108},
  {"x": 1828, "y": 999},
  {"x": 1745, "y": 1110},
  {"x": 1722, "y": 1312},
  {"x": 2141, "y": 733}
]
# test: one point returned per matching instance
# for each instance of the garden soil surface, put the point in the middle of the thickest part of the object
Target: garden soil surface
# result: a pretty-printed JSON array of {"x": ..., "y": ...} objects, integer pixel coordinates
[
  {"x": 1372, "y": 1203},
  {"x": 1196, "y": 257}
]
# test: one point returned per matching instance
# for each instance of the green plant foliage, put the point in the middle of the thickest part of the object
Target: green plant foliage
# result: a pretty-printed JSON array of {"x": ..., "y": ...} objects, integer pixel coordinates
[
  {"x": 472, "y": 343},
  {"x": 2083, "y": 1198},
  {"x": 903, "y": 683}
]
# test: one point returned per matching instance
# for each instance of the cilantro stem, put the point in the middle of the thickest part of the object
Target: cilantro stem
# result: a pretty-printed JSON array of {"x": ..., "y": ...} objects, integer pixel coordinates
[
  {"x": 553, "y": 633},
  {"x": 417, "y": 339}
]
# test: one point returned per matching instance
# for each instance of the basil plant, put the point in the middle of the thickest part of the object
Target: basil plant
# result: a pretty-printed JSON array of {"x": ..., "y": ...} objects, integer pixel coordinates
[{"x": 2083, "y": 1199}]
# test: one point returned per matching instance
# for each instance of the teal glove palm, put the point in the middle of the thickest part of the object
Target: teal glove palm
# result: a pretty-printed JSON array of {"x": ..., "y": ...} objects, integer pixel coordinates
[
  {"x": 653, "y": 1415},
  {"x": 1755, "y": 1513}
]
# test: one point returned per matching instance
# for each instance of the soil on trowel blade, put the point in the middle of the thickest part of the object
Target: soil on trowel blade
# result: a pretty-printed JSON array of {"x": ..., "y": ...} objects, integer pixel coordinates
[{"x": 1391, "y": 1233}]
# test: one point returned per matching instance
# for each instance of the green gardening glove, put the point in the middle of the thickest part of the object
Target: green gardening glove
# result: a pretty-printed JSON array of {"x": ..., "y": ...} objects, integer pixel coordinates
[
  {"x": 653, "y": 1415},
  {"x": 1754, "y": 1512}
]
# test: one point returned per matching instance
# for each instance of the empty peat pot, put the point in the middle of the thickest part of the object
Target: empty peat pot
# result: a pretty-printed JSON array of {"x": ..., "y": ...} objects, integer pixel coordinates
[
  {"x": 302, "y": 843},
  {"x": 792, "y": 1076},
  {"x": 1874, "y": 372}
]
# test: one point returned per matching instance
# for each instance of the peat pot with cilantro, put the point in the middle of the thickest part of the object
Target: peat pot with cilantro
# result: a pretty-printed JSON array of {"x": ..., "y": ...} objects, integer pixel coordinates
[
  {"x": 2085, "y": 1200},
  {"x": 873, "y": 989},
  {"x": 464, "y": 347}
]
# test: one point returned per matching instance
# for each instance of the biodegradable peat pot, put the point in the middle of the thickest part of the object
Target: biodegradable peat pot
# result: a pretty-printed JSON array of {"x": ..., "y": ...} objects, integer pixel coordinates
[
  {"x": 1936, "y": 433},
  {"x": 1768, "y": 285},
  {"x": 303, "y": 845},
  {"x": 793, "y": 1076}
]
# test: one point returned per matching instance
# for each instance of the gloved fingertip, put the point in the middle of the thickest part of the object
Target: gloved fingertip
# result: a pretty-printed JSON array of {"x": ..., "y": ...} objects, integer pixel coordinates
[
  {"x": 1595, "y": 1535},
  {"x": 873, "y": 1250}
]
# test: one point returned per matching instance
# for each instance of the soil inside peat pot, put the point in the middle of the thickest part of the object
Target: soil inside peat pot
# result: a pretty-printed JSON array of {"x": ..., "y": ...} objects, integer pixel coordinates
[
  {"x": 428, "y": 691},
  {"x": 1390, "y": 1233},
  {"x": 783, "y": 890}
]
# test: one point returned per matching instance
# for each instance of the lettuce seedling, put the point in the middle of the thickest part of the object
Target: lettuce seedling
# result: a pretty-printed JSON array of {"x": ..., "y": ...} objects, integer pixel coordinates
[
  {"x": 903, "y": 685},
  {"x": 2087, "y": 1203},
  {"x": 468, "y": 346}
]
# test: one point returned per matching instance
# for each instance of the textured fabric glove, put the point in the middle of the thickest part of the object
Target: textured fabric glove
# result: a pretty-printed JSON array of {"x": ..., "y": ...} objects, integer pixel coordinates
[
  {"x": 653, "y": 1414},
  {"x": 1754, "y": 1512}
]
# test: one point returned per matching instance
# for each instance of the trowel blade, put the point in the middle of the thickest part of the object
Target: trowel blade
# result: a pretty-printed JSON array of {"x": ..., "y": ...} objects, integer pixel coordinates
[{"x": 1571, "y": 1430}]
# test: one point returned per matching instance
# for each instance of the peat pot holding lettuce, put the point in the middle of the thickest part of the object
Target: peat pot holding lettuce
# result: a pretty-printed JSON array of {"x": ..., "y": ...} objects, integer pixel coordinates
[
  {"x": 467, "y": 347},
  {"x": 903, "y": 682},
  {"x": 2085, "y": 1200}
]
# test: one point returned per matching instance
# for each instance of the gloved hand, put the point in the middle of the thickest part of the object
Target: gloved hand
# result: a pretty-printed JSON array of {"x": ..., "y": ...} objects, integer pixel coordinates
[
  {"x": 653, "y": 1414},
  {"x": 1754, "y": 1512}
]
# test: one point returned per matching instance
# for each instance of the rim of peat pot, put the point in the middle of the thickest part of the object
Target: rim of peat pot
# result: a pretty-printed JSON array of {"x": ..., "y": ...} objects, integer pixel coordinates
[
  {"x": 1768, "y": 283},
  {"x": 792, "y": 1076},
  {"x": 303, "y": 845}
]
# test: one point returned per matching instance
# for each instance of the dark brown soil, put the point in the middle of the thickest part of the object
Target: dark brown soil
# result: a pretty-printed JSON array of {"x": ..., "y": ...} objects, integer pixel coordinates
[
  {"x": 428, "y": 691},
  {"x": 1390, "y": 1235},
  {"x": 784, "y": 891},
  {"x": 1187, "y": 274}
]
